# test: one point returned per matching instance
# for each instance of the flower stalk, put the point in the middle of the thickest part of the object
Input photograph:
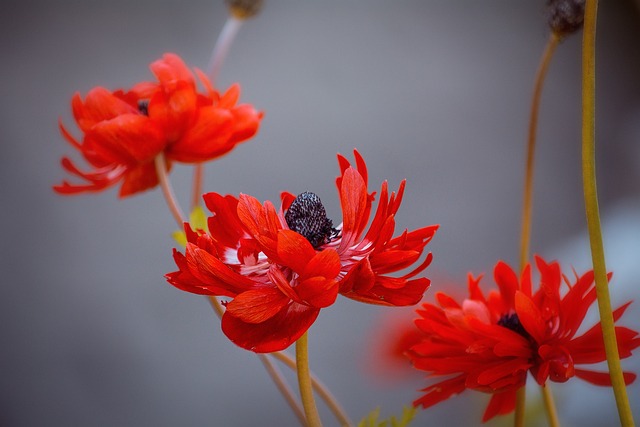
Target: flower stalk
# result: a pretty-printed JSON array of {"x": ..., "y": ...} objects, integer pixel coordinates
[
  {"x": 167, "y": 190},
  {"x": 304, "y": 382},
  {"x": 593, "y": 215},
  {"x": 273, "y": 372},
  {"x": 527, "y": 203},
  {"x": 550, "y": 406},
  {"x": 218, "y": 55}
]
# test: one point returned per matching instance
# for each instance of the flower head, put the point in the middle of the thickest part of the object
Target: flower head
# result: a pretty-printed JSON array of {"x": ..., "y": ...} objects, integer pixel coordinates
[
  {"x": 489, "y": 343},
  {"x": 123, "y": 131},
  {"x": 280, "y": 267}
]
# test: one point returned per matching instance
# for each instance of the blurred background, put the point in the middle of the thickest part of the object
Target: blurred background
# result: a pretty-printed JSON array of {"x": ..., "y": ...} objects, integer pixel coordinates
[{"x": 436, "y": 92}]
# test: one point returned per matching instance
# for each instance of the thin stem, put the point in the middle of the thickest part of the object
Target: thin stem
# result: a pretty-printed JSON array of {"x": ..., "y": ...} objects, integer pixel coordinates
[
  {"x": 273, "y": 372},
  {"x": 221, "y": 48},
  {"x": 218, "y": 55},
  {"x": 550, "y": 406},
  {"x": 304, "y": 382},
  {"x": 319, "y": 388},
  {"x": 518, "y": 416},
  {"x": 167, "y": 191},
  {"x": 593, "y": 214},
  {"x": 283, "y": 387},
  {"x": 527, "y": 204},
  {"x": 525, "y": 234}
]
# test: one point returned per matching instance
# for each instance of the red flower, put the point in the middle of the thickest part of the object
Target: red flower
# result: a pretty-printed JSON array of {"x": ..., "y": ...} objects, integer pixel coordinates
[
  {"x": 123, "y": 131},
  {"x": 489, "y": 343},
  {"x": 281, "y": 267}
]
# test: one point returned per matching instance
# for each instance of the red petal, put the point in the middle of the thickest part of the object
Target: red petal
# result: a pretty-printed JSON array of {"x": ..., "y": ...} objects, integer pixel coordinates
[
  {"x": 275, "y": 334},
  {"x": 257, "y": 305},
  {"x": 507, "y": 281},
  {"x": 530, "y": 317},
  {"x": 139, "y": 178},
  {"x": 128, "y": 138},
  {"x": 207, "y": 138},
  {"x": 603, "y": 378},
  {"x": 353, "y": 199},
  {"x": 294, "y": 250},
  {"x": 500, "y": 404}
]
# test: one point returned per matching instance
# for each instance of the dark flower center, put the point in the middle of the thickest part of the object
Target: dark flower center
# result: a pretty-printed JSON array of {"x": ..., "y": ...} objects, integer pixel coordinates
[
  {"x": 307, "y": 216},
  {"x": 511, "y": 321},
  {"x": 143, "y": 107}
]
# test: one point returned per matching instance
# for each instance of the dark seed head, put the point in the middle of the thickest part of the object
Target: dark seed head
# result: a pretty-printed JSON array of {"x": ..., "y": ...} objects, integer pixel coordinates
[
  {"x": 512, "y": 322},
  {"x": 307, "y": 216},
  {"x": 565, "y": 16},
  {"x": 143, "y": 107}
]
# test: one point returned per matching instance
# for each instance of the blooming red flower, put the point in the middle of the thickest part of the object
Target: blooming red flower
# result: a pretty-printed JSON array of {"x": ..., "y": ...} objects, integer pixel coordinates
[
  {"x": 123, "y": 131},
  {"x": 488, "y": 343},
  {"x": 281, "y": 267}
]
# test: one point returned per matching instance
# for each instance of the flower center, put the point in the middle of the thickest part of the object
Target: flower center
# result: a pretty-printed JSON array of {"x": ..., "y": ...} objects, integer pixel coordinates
[
  {"x": 512, "y": 322},
  {"x": 143, "y": 107},
  {"x": 307, "y": 216}
]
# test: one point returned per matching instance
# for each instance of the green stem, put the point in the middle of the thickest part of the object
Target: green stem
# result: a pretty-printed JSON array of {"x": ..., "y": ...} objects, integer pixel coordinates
[
  {"x": 593, "y": 214},
  {"x": 304, "y": 382},
  {"x": 550, "y": 406},
  {"x": 273, "y": 372},
  {"x": 318, "y": 387}
]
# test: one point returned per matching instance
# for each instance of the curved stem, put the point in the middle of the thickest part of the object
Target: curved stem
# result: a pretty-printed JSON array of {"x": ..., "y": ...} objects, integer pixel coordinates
[
  {"x": 525, "y": 234},
  {"x": 593, "y": 214},
  {"x": 273, "y": 372},
  {"x": 527, "y": 203},
  {"x": 319, "y": 388},
  {"x": 304, "y": 382},
  {"x": 550, "y": 406},
  {"x": 167, "y": 191}
]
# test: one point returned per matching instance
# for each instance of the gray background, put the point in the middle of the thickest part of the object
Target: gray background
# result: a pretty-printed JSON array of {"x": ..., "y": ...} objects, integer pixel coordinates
[{"x": 436, "y": 92}]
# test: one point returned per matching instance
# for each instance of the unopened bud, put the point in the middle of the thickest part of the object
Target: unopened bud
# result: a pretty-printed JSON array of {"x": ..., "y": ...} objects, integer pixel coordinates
[{"x": 565, "y": 16}]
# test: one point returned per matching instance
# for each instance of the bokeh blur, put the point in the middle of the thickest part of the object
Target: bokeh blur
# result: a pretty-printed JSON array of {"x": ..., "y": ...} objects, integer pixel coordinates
[{"x": 437, "y": 92}]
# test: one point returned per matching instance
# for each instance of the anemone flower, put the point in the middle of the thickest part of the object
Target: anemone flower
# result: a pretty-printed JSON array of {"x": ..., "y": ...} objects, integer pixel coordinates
[
  {"x": 489, "y": 343},
  {"x": 280, "y": 267},
  {"x": 124, "y": 131}
]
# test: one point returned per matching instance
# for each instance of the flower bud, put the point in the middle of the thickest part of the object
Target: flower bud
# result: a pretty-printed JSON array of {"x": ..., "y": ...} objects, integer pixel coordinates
[{"x": 565, "y": 16}]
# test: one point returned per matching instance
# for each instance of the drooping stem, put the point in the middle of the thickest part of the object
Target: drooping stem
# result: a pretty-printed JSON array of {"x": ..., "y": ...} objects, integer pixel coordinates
[
  {"x": 527, "y": 203},
  {"x": 273, "y": 372},
  {"x": 593, "y": 214},
  {"x": 167, "y": 191},
  {"x": 550, "y": 406},
  {"x": 319, "y": 388},
  {"x": 525, "y": 234},
  {"x": 304, "y": 382},
  {"x": 218, "y": 55}
]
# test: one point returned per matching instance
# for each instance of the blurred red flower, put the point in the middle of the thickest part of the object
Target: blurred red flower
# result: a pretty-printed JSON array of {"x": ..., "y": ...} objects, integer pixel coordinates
[
  {"x": 123, "y": 131},
  {"x": 489, "y": 343},
  {"x": 282, "y": 267}
]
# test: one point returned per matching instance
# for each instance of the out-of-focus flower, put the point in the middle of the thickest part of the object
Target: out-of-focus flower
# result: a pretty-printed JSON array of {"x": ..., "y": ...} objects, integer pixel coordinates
[
  {"x": 281, "y": 267},
  {"x": 488, "y": 343},
  {"x": 123, "y": 131}
]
